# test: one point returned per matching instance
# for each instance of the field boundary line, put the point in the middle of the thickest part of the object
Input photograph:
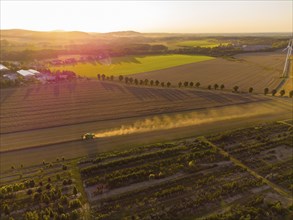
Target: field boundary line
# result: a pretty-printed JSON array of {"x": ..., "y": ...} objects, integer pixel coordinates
[
  {"x": 38, "y": 146},
  {"x": 252, "y": 172}
]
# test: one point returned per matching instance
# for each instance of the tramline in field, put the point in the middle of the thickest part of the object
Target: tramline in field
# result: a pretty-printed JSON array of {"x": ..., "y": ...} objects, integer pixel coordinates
[{"x": 286, "y": 70}]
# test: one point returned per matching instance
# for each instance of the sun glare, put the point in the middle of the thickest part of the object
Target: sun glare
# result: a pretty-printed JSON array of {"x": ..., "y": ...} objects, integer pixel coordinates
[{"x": 148, "y": 16}]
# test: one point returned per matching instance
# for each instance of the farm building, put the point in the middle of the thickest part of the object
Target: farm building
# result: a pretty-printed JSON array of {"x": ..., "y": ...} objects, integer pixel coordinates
[
  {"x": 11, "y": 76},
  {"x": 29, "y": 73},
  {"x": 43, "y": 78},
  {"x": 25, "y": 73},
  {"x": 2, "y": 67},
  {"x": 35, "y": 72},
  {"x": 7, "y": 74}
]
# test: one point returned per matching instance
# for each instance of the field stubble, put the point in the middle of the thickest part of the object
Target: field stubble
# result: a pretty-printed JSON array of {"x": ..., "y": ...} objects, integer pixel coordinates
[
  {"x": 47, "y": 121},
  {"x": 257, "y": 70}
]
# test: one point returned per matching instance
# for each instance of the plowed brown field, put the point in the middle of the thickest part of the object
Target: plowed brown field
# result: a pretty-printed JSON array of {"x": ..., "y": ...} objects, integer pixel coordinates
[{"x": 257, "y": 70}]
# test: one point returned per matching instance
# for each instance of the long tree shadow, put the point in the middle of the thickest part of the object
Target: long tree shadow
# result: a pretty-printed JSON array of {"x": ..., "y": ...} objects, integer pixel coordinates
[
  {"x": 71, "y": 87},
  {"x": 6, "y": 93},
  {"x": 56, "y": 90},
  {"x": 28, "y": 93},
  {"x": 154, "y": 93},
  {"x": 112, "y": 87}
]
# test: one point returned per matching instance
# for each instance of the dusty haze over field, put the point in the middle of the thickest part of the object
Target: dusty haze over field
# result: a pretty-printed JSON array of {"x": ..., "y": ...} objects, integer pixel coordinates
[
  {"x": 149, "y": 16},
  {"x": 188, "y": 119}
]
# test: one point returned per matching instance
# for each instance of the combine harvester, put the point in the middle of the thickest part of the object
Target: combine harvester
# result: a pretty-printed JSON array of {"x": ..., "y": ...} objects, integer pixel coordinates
[{"x": 88, "y": 136}]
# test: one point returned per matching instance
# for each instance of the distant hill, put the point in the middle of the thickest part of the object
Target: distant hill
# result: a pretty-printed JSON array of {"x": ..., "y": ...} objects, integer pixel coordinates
[
  {"x": 125, "y": 33},
  {"x": 42, "y": 35}
]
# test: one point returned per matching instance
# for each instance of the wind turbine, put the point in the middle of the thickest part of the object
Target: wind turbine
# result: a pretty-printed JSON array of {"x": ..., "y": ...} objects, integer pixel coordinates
[{"x": 287, "y": 62}]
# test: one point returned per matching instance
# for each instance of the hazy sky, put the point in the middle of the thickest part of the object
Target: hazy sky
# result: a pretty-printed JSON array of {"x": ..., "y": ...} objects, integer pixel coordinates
[{"x": 149, "y": 16}]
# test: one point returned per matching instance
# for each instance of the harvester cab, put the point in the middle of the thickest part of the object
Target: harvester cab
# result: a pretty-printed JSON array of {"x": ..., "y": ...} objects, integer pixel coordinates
[{"x": 88, "y": 136}]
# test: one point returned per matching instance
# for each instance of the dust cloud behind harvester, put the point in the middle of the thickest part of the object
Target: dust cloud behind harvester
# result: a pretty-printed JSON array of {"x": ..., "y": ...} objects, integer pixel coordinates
[{"x": 165, "y": 122}]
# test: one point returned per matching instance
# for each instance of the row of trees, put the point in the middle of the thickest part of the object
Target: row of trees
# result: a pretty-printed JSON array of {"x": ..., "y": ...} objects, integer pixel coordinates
[
  {"x": 235, "y": 88},
  {"x": 191, "y": 185},
  {"x": 186, "y": 84},
  {"x": 131, "y": 80},
  {"x": 48, "y": 196},
  {"x": 274, "y": 92},
  {"x": 164, "y": 153},
  {"x": 104, "y": 77},
  {"x": 48, "y": 213},
  {"x": 197, "y": 85}
]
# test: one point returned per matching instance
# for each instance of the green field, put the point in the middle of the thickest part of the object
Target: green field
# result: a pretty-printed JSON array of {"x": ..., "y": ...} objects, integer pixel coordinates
[
  {"x": 131, "y": 64},
  {"x": 201, "y": 43}
]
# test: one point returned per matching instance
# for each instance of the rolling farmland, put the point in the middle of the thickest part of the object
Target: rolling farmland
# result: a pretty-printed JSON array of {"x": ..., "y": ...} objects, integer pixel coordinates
[
  {"x": 44, "y": 161},
  {"x": 48, "y": 120},
  {"x": 135, "y": 124},
  {"x": 90, "y": 100},
  {"x": 257, "y": 70},
  {"x": 131, "y": 64}
]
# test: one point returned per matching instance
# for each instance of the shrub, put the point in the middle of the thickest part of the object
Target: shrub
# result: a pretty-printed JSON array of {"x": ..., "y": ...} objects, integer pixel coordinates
[
  {"x": 74, "y": 204},
  {"x": 29, "y": 192},
  {"x": 31, "y": 215},
  {"x": 64, "y": 200},
  {"x": 48, "y": 186},
  {"x": 74, "y": 215},
  {"x": 6, "y": 209},
  {"x": 74, "y": 190}
]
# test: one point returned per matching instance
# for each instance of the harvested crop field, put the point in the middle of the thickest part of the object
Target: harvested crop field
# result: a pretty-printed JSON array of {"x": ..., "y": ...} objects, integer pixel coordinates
[
  {"x": 288, "y": 85},
  {"x": 90, "y": 100},
  {"x": 257, "y": 70},
  {"x": 32, "y": 147},
  {"x": 43, "y": 122}
]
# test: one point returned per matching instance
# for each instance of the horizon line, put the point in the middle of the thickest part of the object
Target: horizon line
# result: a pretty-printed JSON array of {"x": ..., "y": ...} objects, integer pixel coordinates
[{"x": 266, "y": 32}]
